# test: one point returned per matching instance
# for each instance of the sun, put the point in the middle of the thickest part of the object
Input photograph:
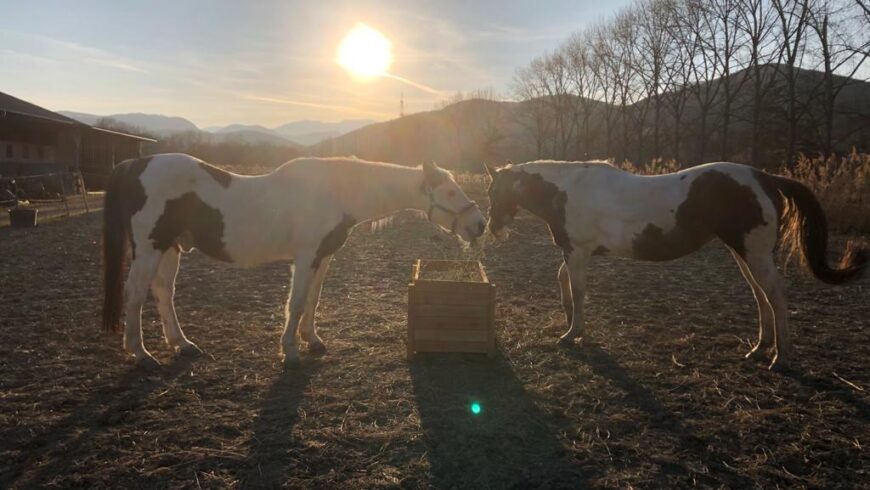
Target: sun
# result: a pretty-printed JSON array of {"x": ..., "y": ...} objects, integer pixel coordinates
[{"x": 365, "y": 53}]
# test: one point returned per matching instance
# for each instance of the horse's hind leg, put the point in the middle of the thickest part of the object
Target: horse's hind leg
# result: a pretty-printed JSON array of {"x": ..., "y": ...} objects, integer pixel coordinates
[
  {"x": 765, "y": 312},
  {"x": 163, "y": 289},
  {"x": 771, "y": 282},
  {"x": 307, "y": 329},
  {"x": 302, "y": 276},
  {"x": 142, "y": 271},
  {"x": 576, "y": 265},
  {"x": 565, "y": 290}
]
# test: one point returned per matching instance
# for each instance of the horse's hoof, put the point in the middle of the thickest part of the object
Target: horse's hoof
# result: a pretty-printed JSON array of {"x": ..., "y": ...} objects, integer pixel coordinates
[
  {"x": 756, "y": 354},
  {"x": 291, "y": 363},
  {"x": 147, "y": 363},
  {"x": 190, "y": 350},
  {"x": 778, "y": 366},
  {"x": 317, "y": 348},
  {"x": 565, "y": 341}
]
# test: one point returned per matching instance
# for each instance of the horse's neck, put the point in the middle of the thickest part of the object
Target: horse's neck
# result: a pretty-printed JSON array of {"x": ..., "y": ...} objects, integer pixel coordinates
[{"x": 384, "y": 191}]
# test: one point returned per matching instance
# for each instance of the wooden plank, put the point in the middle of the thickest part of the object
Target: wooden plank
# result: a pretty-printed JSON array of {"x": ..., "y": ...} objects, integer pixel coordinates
[
  {"x": 454, "y": 298},
  {"x": 451, "y": 335},
  {"x": 412, "y": 319},
  {"x": 452, "y": 286},
  {"x": 453, "y": 311},
  {"x": 450, "y": 346},
  {"x": 491, "y": 323},
  {"x": 446, "y": 323}
]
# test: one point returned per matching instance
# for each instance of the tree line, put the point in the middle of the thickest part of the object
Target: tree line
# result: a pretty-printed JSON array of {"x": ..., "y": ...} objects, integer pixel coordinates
[{"x": 758, "y": 81}]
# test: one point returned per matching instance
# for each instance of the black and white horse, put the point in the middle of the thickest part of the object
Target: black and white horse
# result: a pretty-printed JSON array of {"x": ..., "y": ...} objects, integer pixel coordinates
[
  {"x": 302, "y": 211},
  {"x": 593, "y": 208}
]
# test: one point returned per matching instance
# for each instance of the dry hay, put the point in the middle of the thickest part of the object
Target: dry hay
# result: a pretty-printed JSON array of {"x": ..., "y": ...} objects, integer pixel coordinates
[{"x": 658, "y": 397}]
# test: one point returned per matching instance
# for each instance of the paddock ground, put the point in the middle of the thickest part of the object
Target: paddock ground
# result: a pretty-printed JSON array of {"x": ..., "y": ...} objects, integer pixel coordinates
[{"x": 659, "y": 397}]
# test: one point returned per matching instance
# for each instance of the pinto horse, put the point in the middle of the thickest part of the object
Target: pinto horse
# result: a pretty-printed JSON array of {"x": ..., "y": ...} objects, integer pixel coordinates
[
  {"x": 164, "y": 205},
  {"x": 593, "y": 208}
]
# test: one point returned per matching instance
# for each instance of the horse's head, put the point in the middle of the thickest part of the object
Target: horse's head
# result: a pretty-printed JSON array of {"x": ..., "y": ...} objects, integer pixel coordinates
[
  {"x": 449, "y": 207},
  {"x": 503, "y": 198}
]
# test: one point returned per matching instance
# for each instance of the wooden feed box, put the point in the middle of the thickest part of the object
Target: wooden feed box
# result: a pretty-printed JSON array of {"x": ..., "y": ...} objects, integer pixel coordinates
[{"x": 451, "y": 308}]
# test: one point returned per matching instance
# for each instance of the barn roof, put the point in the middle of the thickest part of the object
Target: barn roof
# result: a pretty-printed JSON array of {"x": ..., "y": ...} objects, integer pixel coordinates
[{"x": 16, "y": 106}]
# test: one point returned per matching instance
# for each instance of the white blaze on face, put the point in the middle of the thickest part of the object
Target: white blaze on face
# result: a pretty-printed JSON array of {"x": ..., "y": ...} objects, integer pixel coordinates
[{"x": 365, "y": 52}]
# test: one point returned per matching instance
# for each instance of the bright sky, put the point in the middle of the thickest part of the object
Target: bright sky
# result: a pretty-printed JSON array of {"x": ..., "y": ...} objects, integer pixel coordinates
[{"x": 269, "y": 62}]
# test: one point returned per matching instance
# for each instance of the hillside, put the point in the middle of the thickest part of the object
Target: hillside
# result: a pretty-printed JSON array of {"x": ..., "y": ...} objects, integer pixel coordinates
[
  {"x": 157, "y": 124},
  {"x": 467, "y": 133}
]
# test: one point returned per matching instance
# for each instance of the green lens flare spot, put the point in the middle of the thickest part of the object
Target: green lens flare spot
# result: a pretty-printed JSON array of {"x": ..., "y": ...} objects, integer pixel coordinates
[{"x": 476, "y": 408}]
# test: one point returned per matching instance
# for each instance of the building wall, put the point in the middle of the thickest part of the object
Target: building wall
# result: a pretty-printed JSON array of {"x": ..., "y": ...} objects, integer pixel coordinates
[{"x": 17, "y": 151}]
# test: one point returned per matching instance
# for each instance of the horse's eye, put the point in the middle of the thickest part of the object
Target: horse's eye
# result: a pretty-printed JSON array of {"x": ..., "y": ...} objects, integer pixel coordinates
[{"x": 451, "y": 193}]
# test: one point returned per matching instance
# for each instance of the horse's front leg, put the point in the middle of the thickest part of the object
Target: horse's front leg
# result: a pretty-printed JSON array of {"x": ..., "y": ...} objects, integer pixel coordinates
[
  {"x": 163, "y": 289},
  {"x": 303, "y": 274},
  {"x": 307, "y": 329},
  {"x": 576, "y": 264}
]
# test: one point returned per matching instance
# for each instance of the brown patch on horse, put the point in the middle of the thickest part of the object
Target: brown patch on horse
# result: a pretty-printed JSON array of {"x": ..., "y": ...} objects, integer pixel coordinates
[
  {"x": 189, "y": 221},
  {"x": 716, "y": 206},
  {"x": 768, "y": 183},
  {"x": 333, "y": 240},
  {"x": 132, "y": 192},
  {"x": 222, "y": 177},
  {"x": 546, "y": 201}
]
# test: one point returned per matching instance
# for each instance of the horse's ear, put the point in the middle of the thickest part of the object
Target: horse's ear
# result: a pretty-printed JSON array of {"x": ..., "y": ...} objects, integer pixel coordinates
[{"x": 432, "y": 174}]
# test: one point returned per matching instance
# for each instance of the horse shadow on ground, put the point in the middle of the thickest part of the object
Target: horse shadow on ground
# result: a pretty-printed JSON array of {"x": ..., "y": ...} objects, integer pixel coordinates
[
  {"x": 269, "y": 459},
  {"x": 835, "y": 389},
  {"x": 679, "y": 442},
  {"x": 106, "y": 408},
  {"x": 510, "y": 443}
]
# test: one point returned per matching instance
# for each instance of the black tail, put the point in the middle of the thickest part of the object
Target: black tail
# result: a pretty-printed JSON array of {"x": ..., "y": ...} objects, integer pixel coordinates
[
  {"x": 116, "y": 234},
  {"x": 806, "y": 230}
]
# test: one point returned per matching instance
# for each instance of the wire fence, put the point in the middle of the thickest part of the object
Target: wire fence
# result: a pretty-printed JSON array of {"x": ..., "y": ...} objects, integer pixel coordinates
[{"x": 53, "y": 194}]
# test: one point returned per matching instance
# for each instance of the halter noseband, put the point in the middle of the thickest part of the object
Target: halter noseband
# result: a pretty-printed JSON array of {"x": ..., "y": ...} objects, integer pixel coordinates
[{"x": 457, "y": 215}]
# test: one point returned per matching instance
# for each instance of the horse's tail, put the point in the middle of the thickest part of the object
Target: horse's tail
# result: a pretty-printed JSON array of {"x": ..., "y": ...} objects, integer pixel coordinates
[
  {"x": 805, "y": 230},
  {"x": 116, "y": 232}
]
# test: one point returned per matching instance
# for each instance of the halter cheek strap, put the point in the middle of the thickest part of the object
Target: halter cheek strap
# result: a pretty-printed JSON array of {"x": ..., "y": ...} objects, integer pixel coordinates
[{"x": 457, "y": 215}]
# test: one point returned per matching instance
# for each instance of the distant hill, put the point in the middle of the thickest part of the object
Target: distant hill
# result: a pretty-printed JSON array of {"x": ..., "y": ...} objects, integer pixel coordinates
[
  {"x": 252, "y": 136},
  {"x": 470, "y": 132},
  {"x": 153, "y": 123},
  {"x": 301, "y": 132},
  {"x": 295, "y": 133},
  {"x": 462, "y": 135}
]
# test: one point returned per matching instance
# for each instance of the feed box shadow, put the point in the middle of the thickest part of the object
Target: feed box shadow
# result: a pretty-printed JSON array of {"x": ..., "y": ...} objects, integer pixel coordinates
[{"x": 482, "y": 429}]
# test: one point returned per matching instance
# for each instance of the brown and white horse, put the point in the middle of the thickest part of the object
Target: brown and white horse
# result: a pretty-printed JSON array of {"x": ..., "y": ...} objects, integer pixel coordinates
[
  {"x": 593, "y": 208},
  {"x": 303, "y": 211}
]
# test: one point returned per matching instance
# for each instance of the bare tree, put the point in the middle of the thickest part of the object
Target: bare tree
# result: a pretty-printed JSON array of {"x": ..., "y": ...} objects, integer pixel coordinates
[
  {"x": 757, "y": 20},
  {"x": 580, "y": 54},
  {"x": 732, "y": 44},
  {"x": 678, "y": 73},
  {"x": 534, "y": 112},
  {"x": 606, "y": 71},
  {"x": 653, "y": 45},
  {"x": 841, "y": 52},
  {"x": 703, "y": 41},
  {"x": 793, "y": 17}
]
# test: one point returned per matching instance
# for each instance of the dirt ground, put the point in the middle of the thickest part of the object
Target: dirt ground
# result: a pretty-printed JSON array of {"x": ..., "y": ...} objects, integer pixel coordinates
[{"x": 659, "y": 396}]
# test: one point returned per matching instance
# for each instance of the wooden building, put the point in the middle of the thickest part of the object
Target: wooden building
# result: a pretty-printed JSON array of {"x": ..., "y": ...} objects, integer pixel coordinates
[{"x": 36, "y": 141}]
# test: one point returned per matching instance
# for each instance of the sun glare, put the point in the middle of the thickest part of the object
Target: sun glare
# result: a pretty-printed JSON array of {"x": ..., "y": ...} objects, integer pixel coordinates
[{"x": 365, "y": 52}]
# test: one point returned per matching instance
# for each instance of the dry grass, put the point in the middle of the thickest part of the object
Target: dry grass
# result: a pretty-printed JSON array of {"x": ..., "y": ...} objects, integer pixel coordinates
[
  {"x": 658, "y": 396},
  {"x": 842, "y": 185},
  {"x": 463, "y": 271}
]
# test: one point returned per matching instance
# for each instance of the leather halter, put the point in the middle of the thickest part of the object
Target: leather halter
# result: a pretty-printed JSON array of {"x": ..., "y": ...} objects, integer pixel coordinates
[{"x": 457, "y": 215}]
